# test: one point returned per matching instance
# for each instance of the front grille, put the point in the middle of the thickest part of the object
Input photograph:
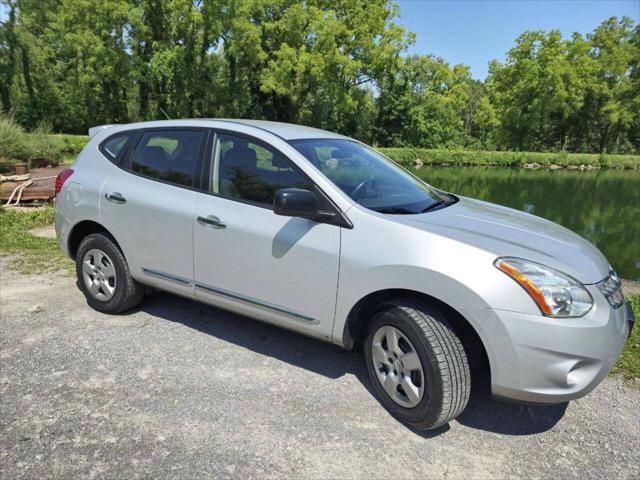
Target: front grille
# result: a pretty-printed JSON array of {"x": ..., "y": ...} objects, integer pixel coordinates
[{"x": 611, "y": 288}]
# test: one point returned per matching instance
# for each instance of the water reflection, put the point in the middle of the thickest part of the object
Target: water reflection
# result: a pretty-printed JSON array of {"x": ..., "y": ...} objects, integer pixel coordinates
[{"x": 602, "y": 206}]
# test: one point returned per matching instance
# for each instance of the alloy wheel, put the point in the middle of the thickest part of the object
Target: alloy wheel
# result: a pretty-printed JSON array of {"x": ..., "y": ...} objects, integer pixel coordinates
[
  {"x": 398, "y": 366},
  {"x": 99, "y": 274}
]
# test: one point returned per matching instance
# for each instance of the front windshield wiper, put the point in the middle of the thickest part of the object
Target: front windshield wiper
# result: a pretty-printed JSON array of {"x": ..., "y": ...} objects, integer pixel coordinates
[
  {"x": 394, "y": 210},
  {"x": 435, "y": 206},
  {"x": 451, "y": 199}
]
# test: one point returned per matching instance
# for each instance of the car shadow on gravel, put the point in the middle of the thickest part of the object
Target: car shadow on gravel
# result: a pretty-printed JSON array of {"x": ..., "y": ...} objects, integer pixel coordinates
[{"x": 482, "y": 412}]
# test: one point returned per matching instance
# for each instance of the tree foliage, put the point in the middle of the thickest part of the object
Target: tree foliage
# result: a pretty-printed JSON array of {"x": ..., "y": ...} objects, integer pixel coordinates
[{"x": 340, "y": 65}]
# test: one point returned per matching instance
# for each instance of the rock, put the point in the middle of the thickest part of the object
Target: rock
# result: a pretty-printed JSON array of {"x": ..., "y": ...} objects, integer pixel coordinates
[
  {"x": 35, "y": 309},
  {"x": 418, "y": 163},
  {"x": 630, "y": 287},
  {"x": 531, "y": 166},
  {"x": 45, "y": 232},
  {"x": 553, "y": 166}
]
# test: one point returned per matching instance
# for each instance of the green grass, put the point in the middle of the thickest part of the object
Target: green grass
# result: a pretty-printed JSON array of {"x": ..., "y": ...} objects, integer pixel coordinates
[
  {"x": 64, "y": 148},
  {"x": 628, "y": 365},
  {"x": 32, "y": 254},
  {"x": 29, "y": 253},
  {"x": 407, "y": 156}
]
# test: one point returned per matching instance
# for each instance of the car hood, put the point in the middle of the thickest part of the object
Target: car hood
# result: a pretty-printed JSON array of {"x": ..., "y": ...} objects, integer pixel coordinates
[{"x": 508, "y": 232}]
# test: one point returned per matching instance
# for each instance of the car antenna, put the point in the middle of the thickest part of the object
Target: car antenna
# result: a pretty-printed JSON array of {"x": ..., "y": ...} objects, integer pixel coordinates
[{"x": 165, "y": 113}]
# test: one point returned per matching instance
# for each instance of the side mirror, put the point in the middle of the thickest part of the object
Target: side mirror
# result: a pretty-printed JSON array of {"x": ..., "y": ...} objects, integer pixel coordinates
[{"x": 295, "y": 202}]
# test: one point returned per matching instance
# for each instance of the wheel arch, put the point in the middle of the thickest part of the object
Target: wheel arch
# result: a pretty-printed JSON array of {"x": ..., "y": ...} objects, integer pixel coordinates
[
  {"x": 355, "y": 327},
  {"x": 83, "y": 229}
]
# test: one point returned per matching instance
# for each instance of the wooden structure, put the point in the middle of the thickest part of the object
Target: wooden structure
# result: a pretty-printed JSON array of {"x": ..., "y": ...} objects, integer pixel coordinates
[{"x": 42, "y": 189}]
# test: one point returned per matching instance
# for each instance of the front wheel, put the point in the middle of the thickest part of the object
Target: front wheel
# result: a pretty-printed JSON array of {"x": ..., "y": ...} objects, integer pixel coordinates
[
  {"x": 417, "y": 364},
  {"x": 104, "y": 276}
]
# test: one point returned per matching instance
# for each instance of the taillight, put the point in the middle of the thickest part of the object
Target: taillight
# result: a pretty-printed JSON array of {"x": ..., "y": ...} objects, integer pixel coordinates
[{"x": 62, "y": 177}]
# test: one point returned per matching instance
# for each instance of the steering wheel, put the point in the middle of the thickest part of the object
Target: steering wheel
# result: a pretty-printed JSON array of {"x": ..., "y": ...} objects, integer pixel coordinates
[{"x": 360, "y": 189}]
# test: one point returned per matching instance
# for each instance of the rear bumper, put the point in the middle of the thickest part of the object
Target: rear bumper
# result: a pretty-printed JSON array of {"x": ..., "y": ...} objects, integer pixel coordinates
[
  {"x": 535, "y": 359},
  {"x": 63, "y": 229}
]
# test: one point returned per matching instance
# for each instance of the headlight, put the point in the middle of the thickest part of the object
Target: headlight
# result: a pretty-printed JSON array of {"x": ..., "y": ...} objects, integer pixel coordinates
[{"x": 556, "y": 294}]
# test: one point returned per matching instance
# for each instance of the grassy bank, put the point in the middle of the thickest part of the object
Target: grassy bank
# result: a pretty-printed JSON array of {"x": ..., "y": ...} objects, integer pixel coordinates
[
  {"x": 31, "y": 253},
  {"x": 35, "y": 254},
  {"x": 628, "y": 365},
  {"x": 408, "y": 156},
  {"x": 16, "y": 145},
  {"x": 72, "y": 144}
]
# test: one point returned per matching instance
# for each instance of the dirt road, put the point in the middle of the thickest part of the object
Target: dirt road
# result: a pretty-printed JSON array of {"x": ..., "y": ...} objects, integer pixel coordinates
[{"x": 180, "y": 390}]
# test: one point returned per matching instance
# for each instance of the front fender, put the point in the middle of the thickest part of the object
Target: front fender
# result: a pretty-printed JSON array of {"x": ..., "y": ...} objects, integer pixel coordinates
[{"x": 400, "y": 277}]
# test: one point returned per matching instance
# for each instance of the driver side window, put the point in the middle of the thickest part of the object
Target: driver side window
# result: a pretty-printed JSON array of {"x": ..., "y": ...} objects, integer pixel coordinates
[{"x": 252, "y": 171}]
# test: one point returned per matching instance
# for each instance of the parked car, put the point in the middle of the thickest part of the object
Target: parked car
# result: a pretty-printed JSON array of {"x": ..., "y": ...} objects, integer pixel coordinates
[{"x": 321, "y": 234}]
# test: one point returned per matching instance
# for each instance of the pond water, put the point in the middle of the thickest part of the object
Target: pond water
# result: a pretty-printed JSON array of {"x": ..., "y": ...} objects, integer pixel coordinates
[{"x": 603, "y": 206}]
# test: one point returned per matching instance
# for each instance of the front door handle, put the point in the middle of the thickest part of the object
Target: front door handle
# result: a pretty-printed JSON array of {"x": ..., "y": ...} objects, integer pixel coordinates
[
  {"x": 212, "y": 220},
  {"x": 115, "y": 197}
]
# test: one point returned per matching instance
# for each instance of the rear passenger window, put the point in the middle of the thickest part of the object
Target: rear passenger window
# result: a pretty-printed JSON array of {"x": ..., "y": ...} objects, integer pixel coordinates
[
  {"x": 252, "y": 171},
  {"x": 170, "y": 156},
  {"x": 113, "y": 145}
]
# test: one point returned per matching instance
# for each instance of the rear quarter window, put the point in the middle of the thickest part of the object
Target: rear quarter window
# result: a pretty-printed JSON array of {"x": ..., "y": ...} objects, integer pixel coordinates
[{"x": 114, "y": 146}]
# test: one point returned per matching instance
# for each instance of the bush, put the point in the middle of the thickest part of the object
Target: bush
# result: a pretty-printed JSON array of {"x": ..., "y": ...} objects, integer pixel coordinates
[
  {"x": 16, "y": 145},
  {"x": 505, "y": 159},
  {"x": 71, "y": 144},
  {"x": 13, "y": 144},
  {"x": 44, "y": 145}
]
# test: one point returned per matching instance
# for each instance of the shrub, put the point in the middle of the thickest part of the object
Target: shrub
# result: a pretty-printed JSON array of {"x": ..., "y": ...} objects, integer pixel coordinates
[
  {"x": 13, "y": 144},
  {"x": 504, "y": 159},
  {"x": 72, "y": 144},
  {"x": 16, "y": 145},
  {"x": 44, "y": 145}
]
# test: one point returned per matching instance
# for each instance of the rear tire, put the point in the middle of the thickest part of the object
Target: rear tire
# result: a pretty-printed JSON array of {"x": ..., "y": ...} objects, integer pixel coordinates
[
  {"x": 424, "y": 395},
  {"x": 104, "y": 276}
]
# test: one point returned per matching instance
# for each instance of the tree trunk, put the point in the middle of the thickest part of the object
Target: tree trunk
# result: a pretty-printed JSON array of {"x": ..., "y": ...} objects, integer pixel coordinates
[
  {"x": 604, "y": 137},
  {"x": 5, "y": 88},
  {"x": 563, "y": 139}
]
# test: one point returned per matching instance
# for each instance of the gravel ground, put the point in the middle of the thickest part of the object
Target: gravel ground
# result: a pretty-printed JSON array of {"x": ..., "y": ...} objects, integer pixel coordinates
[{"x": 180, "y": 390}]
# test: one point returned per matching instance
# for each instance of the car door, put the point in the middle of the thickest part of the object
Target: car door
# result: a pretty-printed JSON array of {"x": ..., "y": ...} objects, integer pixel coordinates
[
  {"x": 148, "y": 204},
  {"x": 279, "y": 269}
]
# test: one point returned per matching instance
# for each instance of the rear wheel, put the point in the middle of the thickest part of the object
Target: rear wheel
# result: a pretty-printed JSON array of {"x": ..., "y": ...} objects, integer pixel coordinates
[
  {"x": 104, "y": 277},
  {"x": 417, "y": 364}
]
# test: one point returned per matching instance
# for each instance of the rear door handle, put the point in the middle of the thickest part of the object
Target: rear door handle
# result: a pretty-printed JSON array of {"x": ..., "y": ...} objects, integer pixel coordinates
[
  {"x": 115, "y": 197},
  {"x": 212, "y": 220}
]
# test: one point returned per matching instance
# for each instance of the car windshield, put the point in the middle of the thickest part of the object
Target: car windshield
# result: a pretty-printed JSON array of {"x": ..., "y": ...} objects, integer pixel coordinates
[{"x": 369, "y": 178}]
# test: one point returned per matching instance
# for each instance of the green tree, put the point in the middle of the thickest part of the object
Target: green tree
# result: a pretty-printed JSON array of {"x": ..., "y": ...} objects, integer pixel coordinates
[{"x": 612, "y": 93}]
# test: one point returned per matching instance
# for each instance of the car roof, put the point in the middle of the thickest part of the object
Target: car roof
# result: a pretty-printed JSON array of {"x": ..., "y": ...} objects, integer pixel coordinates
[{"x": 286, "y": 131}]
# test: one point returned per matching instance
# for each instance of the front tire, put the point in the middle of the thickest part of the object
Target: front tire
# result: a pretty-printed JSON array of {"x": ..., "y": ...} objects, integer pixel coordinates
[
  {"x": 104, "y": 276},
  {"x": 417, "y": 364}
]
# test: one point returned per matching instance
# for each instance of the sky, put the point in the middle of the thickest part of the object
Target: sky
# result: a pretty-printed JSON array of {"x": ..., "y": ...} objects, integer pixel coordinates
[{"x": 474, "y": 32}]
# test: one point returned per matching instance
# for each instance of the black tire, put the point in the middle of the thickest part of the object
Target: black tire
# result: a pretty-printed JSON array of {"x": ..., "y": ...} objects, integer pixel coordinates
[
  {"x": 442, "y": 357},
  {"x": 128, "y": 293}
]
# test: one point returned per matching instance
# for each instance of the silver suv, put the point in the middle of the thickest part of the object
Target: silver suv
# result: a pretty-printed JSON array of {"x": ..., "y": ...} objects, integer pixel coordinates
[{"x": 321, "y": 234}]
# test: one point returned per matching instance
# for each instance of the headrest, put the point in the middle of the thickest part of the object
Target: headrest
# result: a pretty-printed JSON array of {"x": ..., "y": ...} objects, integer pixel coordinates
[
  {"x": 240, "y": 156},
  {"x": 152, "y": 155},
  {"x": 341, "y": 153},
  {"x": 279, "y": 161}
]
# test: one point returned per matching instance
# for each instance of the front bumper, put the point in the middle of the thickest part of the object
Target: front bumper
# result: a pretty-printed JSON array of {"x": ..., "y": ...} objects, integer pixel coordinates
[{"x": 536, "y": 359}]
